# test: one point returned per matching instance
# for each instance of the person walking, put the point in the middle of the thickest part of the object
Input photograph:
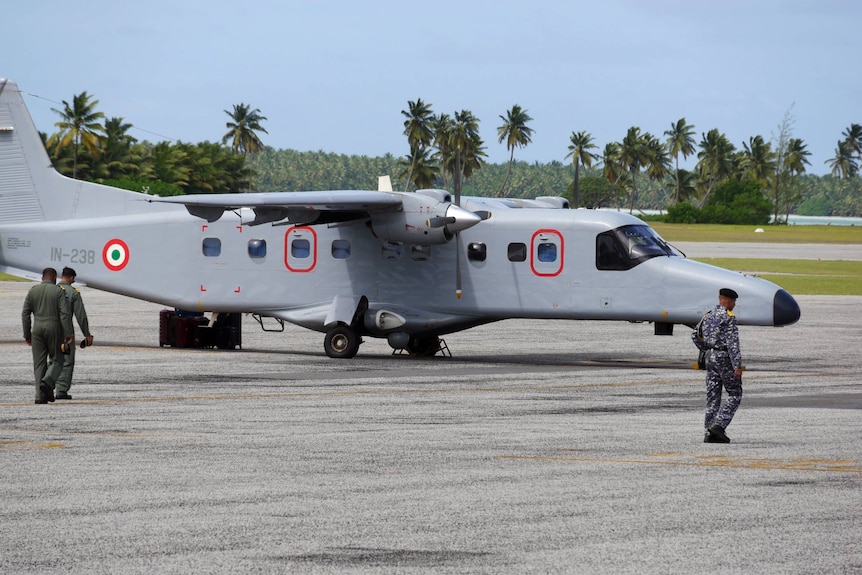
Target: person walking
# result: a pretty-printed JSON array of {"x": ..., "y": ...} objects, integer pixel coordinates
[
  {"x": 77, "y": 310},
  {"x": 718, "y": 335},
  {"x": 50, "y": 328}
]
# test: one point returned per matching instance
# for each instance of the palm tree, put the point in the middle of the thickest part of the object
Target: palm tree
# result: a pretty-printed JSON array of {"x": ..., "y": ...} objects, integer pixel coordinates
[
  {"x": 759, "y": 161},
  {"x": 466, "y": 145},
  {"x": 116, "y": 155},
  {"x": 680, "y": 140},
  {"x": 715, "y": 161},
  {"x": 420, "y": 167},
  {"x": 658, "y": 161},
  {"x": 853, "y": 138},
  {"x": 242, "y": 132},
  {"x": 795, "y": 160},
  {"x": 516, "y": 133},
  {"x": 579, "y": 152},
  {"x": 843, "y": 164},
  {"x": 634, "y": 155},
  {"x": 80, "y": 126},
  {"x": 419, "y": 132},
  {"x": 441, "y": 126}
]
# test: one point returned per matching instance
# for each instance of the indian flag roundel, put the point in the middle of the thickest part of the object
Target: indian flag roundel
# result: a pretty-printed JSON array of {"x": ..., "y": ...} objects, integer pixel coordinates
[{"x": 115, "y": 255}]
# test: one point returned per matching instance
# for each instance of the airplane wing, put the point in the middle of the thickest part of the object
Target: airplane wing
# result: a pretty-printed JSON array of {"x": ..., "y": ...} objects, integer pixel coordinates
[{"x": 297, "y": 207}]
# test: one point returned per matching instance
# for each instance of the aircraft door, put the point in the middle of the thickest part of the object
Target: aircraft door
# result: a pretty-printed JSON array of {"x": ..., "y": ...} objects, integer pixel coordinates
[
  {"x": 547, "y": 253},
  {"x": 300, "y": 249}
]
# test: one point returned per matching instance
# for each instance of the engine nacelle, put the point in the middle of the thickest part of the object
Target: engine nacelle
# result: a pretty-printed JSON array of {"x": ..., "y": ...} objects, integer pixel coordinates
[{"x": 423, "y": 221}]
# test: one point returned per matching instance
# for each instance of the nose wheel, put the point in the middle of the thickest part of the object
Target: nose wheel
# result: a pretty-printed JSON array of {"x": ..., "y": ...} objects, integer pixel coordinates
[{"x": 342, "y": 342}]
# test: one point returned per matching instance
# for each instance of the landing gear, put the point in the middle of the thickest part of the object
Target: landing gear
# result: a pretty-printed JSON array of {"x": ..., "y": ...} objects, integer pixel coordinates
[{"x": 342, "y": 342}]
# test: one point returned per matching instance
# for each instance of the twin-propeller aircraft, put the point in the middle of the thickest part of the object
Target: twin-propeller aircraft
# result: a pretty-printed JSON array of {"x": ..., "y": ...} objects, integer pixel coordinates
[{"x": 405, "y": 266}]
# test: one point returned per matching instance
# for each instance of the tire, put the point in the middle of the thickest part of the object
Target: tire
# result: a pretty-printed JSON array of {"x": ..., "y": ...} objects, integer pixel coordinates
[{"x": 342, "y": 342}]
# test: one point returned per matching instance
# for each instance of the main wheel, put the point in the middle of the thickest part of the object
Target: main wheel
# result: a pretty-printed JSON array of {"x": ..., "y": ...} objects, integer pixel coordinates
[{"x": 342, "y": 342}]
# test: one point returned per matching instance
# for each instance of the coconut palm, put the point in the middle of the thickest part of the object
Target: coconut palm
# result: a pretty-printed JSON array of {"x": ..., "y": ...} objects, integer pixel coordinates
[
  {"x": 634, "y": 154},
  {"x": 441, "y": 126},
  {"x": 242, "y": 132},
  {"x": 795, "y": 160},
  {"x": 80, "y": 126},
  {"x": 853, "y": 138},
  {"x": 843, "y": 164},
  {"x": 418, "y": 127},
  {"x": 579, "y": 151},
  {"x": 680, "y": 140},
  {"x": 759, "y": 162},
  {"x": 466, "y": 145},
  {"x": 420, "y": 167},
  {"x": 715, "y": 161},
  {"x": 517, "y": 135}
]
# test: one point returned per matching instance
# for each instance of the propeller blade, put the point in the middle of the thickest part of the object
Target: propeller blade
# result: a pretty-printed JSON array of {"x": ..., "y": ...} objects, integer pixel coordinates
[
  {"x": 458, "y": 266},
  {"x": 439, "y": 222}
]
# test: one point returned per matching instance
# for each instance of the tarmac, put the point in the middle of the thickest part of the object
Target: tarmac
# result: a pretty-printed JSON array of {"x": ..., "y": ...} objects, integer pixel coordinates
[{"x": 537, "y": 447}]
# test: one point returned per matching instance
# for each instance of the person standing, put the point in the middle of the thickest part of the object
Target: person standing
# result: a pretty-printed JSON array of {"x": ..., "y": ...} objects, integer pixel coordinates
[
  {"x": 77, "y": 310},
  {"x": 52, "y": 326},
  {"x": 718, "y": 336}
]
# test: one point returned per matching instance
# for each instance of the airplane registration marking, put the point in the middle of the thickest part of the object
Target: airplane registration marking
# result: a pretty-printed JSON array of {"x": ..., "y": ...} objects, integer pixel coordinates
[
  {"x": 704, "y": 460},
  {"x": 73, "y": 256}
]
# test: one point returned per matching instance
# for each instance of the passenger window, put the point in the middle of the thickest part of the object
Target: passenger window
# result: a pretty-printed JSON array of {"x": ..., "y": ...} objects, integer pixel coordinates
[
  {"x": 300, "y": 248},
  {"x": 517, "y": 252},
  {"x": 420, "y": 253},
  {"x": 477, "y": 251},
  {"x": 547, "y": 252},
  {"x": 341, "y": 249},
  {"x": 212, "y": 247},
  {"x": 256, "y": 248}
]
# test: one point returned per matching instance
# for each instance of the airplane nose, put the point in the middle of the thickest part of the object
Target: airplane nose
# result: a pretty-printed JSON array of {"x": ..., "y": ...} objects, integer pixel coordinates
[{"x": 785, "y": 310}]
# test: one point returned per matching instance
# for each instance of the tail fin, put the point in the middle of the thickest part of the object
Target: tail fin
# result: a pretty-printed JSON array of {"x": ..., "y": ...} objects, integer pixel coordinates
[{"x": 31, "y": 190}]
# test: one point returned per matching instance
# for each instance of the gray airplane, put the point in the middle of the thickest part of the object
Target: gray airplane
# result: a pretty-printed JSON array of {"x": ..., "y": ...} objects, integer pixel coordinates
[{"x": 405, "y": 266}]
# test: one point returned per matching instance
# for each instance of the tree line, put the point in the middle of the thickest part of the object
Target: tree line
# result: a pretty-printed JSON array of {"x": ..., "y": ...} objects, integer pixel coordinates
[{"x": 641, "y": 171}]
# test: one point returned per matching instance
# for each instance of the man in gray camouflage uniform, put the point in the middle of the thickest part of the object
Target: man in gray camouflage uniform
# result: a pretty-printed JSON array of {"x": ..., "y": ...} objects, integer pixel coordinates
[{"x": 718, "y": 336}]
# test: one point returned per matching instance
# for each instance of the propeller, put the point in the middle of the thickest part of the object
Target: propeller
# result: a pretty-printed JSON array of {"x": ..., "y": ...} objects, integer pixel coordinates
[{"x": 457, "y": 185}]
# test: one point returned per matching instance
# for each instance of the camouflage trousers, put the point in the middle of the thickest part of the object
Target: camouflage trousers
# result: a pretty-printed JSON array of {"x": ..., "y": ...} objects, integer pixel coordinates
[{"x": 719, "y": 375}]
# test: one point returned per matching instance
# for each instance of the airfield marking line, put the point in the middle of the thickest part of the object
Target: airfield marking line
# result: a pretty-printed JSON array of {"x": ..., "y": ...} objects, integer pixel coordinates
[
  {"x": 20, "y": 444},
  {"x": 705, "y": 460}
]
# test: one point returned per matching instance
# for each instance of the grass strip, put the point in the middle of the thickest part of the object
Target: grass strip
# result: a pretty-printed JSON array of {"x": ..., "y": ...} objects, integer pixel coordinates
[{"x": 800, "y": 277}]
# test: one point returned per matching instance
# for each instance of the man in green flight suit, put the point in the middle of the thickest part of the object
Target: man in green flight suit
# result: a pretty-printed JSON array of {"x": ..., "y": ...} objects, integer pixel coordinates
[
  {"x": 51, "y": 328},
  {"x": 76, "y": 309}
]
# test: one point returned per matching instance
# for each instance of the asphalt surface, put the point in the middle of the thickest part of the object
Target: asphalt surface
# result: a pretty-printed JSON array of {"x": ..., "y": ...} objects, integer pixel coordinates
[
  {"x": 538, "y": 447},
  {"x": 847, "y": 252}
]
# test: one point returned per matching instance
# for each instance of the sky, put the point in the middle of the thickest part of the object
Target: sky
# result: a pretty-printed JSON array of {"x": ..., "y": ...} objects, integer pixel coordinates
[{"x": 335, "y": 75}]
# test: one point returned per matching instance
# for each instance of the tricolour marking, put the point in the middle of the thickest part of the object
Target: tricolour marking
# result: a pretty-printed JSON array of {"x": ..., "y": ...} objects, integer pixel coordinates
[{"x": 115, "y": 255}]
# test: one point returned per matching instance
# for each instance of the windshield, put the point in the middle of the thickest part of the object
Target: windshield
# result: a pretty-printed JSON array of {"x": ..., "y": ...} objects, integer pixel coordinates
[{"x": 625, "y": 247}]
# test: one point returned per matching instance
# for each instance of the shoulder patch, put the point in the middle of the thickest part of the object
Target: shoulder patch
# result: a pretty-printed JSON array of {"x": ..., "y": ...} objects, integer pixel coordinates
[{"x": 730, "y": 313}]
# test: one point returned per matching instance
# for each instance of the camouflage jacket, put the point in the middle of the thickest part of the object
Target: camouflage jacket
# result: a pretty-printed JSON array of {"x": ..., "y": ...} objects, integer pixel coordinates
[{"x": 718, "y": 331}]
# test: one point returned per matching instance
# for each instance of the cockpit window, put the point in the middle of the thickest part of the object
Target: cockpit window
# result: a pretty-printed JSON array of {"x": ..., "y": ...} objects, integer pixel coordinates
[{"x": 625, "y": 247}]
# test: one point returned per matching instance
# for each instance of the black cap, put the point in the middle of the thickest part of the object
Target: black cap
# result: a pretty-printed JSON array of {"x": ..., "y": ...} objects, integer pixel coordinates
[
  {"x": 68, "y": 272},
  {"x": 727, "y": 292}
]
